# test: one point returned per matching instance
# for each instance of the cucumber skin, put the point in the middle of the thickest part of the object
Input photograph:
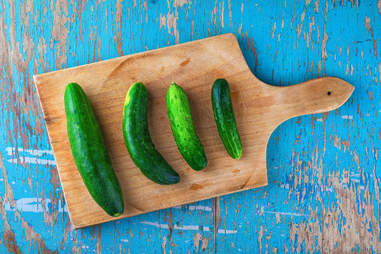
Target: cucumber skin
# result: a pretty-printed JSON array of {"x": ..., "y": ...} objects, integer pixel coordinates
[
  {"x": 138, "y": 140},
  {"x": 183, "y": 130},
  {"x": 225, "y": 119},
  {"x": 90, "y": 153}
]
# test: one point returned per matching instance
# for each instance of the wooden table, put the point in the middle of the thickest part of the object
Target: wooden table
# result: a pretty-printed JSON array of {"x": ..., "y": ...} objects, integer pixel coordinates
[{"x": 324, "y": 170}]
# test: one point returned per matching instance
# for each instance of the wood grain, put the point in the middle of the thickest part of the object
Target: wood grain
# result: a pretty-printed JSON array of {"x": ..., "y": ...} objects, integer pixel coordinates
[
  {"x": 323, "y": 170},
  {"x": 259, "y": 109}
]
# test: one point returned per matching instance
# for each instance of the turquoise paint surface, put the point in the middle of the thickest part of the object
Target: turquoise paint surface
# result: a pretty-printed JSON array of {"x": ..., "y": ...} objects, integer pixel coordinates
[{"x": 324, "y": 170}]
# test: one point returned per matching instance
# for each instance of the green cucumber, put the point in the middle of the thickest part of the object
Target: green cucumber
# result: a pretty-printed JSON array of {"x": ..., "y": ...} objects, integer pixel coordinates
[
  {"x": 138, "y": 140},
  {"x": 183, "y": 130},
  {"x": 90, "y": 153},
  {"x": 225, "y": 120}
]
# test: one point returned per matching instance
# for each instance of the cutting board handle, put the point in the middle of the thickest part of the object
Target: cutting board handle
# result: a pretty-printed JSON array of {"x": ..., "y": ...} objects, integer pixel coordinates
[{"x": 314, "y": 96}]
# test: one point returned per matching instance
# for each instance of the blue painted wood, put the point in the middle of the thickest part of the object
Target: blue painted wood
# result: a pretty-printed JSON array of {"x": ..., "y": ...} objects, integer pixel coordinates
[{"x": 324, "y": 170}]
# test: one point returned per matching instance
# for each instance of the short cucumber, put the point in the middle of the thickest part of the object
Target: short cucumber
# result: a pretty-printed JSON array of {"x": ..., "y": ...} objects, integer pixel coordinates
[
  {"x": 183, "y": 130},
  {"x": 90, "y": 153},
  {"x": 225, "y": 120},
  {"x": 138, "y": 140}
]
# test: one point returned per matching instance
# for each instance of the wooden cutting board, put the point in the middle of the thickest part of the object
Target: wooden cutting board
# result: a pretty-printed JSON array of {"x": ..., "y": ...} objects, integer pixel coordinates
[{"x": 259, "y": 109}]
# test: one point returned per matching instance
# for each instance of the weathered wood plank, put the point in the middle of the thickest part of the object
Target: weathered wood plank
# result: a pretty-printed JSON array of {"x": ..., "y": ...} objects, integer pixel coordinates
[
  {"x": 324, "y": 169},
  {"x": 325, "y": 192}
]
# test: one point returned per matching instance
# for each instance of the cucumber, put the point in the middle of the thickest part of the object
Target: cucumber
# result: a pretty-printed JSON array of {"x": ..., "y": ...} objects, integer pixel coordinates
[
  {"x": 183, "y": 130},
  {"x": 225, "y": 120},
  {"x": 90, "y": 153},
  {"x": 138, "y": 140}
]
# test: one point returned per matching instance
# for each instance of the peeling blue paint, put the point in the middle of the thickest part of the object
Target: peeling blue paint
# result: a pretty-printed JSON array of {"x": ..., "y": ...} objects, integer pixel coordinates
[{"x": 323, "y": 170}]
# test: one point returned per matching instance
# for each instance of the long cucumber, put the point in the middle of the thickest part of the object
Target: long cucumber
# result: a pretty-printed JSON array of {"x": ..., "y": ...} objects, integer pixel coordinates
[
  {"x": 138, "y": 140},
  {"x": 90, "y": 153}
]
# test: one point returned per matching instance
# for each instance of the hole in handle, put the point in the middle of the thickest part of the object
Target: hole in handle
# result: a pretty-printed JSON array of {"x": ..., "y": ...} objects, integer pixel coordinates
[{"x": 329, "y": 93}]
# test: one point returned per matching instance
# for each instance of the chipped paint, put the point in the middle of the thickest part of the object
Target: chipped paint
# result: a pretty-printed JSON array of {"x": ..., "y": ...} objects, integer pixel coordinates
[
  {"x": 196, "y": 241},
  {"x": 12, "y": 150},
  {"x": 195, "y": 208},
  {"x": 180, "y": 3},
  {"x": 204, "y": 243},
  {"x": 324, "y": 54},
  {"x": 353, "y": 235},
  {"x": 99, "y": 240},
  {"x": 322, "y": 196},
  {"x": 33, "y": 205},
  {"x": 8, "y": 192},
  {"x": 367, "y": 25},
  {"x": 277, "y": 214},
  {"x": 183, "y": 227},
  {"x": 9, "y": 239},
  {"x": 188, "y": 227},
  {"x": 32, "y": 160},
  {"x": 118, "y": 36},
  {"x": 171, "y": 23},
  {"x": 164, "y": 244},
  {"x": 59, "y": 31},
  {"x": 338, "y": 143},
  {"x": 18, "y": 156},
  {"x": 348, "y": 117},
  {"x": 30, "y": 234}
]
